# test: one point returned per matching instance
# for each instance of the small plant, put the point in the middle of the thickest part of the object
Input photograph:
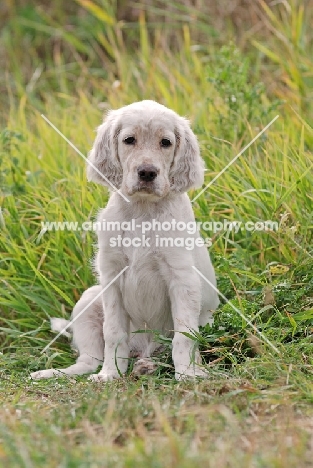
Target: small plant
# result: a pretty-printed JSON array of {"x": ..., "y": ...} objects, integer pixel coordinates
[{"x": 237, "y": 101}]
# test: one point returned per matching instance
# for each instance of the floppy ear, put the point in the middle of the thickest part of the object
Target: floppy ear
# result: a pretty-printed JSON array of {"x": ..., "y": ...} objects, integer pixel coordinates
[
  {"x": 188, "y": 167},
  {"x": 104, "y": 166}
]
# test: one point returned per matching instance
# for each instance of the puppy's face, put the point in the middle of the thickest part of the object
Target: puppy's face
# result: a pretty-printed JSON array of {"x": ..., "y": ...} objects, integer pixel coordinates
[{"x": 146, "y": 150}]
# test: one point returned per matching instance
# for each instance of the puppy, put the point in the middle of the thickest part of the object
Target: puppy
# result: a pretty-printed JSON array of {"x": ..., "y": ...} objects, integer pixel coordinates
[{"x": 151, "y": 157}]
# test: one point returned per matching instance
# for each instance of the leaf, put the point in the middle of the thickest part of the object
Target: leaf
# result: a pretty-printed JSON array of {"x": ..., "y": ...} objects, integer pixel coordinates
[
  {"x": 279, "y": 269},
  {"x": 45, "y": 279},
  {"x": 304, "y": 315},
  {"x": 267, "y": 52},
  {"x": 97, "y": 11}
]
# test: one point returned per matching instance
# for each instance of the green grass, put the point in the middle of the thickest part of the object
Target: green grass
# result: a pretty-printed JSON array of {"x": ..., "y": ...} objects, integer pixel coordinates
[{"x": 256, "y": 408}]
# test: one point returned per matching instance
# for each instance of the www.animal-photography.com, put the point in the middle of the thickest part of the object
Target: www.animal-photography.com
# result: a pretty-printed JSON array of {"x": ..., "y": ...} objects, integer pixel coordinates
[{"x": 156, "y": 214}]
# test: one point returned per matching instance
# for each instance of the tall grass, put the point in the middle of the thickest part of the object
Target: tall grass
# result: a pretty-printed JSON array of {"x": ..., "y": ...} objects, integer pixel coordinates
[{"x": 99, "y": 62}]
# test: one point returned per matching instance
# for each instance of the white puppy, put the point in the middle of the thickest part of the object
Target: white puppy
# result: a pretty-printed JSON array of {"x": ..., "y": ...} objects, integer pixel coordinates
[{"x": 151, "y": 155}]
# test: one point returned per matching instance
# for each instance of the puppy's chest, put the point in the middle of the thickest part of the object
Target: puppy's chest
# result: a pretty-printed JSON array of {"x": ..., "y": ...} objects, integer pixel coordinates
[
  {"x": 145, "y": 290},
  {"x": 137, "y": 242},
  {"x": 145, "y": 294}
]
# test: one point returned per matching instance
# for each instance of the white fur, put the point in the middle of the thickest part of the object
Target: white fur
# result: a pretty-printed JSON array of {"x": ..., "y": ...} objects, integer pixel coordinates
[
  {"x": 59, "y": 324},
  {"x": 160, "y": 290}
]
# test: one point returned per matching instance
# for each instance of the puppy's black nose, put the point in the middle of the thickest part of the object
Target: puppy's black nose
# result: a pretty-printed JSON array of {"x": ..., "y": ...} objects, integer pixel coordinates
[{"x": 147, "y": 172}]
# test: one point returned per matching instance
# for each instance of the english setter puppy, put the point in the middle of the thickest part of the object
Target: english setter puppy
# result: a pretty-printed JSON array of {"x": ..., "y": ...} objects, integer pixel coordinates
[{"x": 150, "y": 154}]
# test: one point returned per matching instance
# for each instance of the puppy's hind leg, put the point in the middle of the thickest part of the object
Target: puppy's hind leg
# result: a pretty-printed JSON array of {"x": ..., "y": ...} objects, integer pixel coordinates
[{"x": 87, "y": 337}]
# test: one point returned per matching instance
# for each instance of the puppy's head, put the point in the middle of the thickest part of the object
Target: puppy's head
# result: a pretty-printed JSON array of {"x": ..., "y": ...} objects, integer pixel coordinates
[{"x": 146, "y": 150}]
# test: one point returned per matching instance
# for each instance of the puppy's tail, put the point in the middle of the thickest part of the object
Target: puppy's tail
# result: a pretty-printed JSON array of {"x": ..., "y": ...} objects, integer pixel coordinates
[{"x": 59, "y": 324}]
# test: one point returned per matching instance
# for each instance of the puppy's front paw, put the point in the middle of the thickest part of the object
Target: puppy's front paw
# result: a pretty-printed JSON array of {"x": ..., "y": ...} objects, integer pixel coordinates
[
  {"x": 104, "y": 376},
  {"x": 191, "y": 372}
]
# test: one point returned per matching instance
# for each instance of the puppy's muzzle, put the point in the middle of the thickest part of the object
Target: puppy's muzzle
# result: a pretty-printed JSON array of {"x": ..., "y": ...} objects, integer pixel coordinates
[{"x": 147, "y": 172}]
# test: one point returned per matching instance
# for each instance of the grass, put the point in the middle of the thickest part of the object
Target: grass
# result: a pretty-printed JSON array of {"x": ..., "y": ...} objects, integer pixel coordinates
[{"x": 256, "y": 408}]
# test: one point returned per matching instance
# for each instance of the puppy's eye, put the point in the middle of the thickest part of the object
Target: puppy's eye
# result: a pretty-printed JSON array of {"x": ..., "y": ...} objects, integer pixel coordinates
[
  {"x": 130, "y": 140},
  {"x": 165, "y": 142}
]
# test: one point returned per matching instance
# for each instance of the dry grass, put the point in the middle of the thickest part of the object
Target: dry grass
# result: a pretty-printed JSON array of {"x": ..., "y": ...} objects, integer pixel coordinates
[{"x": 148, "y": 424}]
